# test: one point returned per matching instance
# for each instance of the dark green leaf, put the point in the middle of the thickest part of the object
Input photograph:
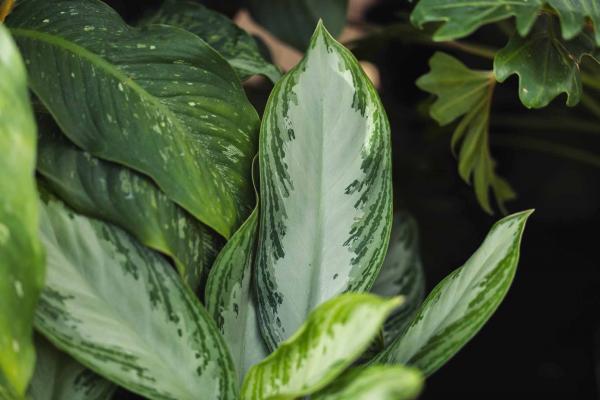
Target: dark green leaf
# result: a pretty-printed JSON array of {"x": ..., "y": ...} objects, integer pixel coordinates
[
  {"x": 159, "y": 100},
  {"x": 125, "y": 198},
  {"x": 21, "y": 255},
  {"x": 402, "y": 274},
  {"x": 325, "y": 187},
  {"x": 293, "y": 20},
  {"x": 574, "y": 15},
  {"x": 377, "y": 382},
  {"x": 59, "y": 377},
  {"x": 121, "y": 310},
  {"x": 460, "y": 305},
  {"x": 232, "y": 42},
  {"x": 546, "y": 64},
  {"x": 465, "y": 92},
  {"x": 230, "y": 297}
]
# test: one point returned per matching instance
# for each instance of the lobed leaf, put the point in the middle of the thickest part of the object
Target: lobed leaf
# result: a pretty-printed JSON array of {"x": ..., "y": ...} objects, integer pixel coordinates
[
  {"x": 461, "y": 304},
  {"x": 333, "y": 336},
  {"x": 377, "y": 382},
  {"x": 233, "y": 43},
  {"x": 325, "y": 188},
  {"x": 21, "y": 254},
  {"x": 125, "y": 198},
  {"x": 462, "y": 92},
  {"x": 292, "y": 20},
  {"x": 230, "y": 297},
  {"x": 158, "y": 100},
  {"x": 401, "y": 274},
  {"x": 122, "y": 311},
  {"x": 546, "y": 64},
  {"x": 59, "y": 377}
]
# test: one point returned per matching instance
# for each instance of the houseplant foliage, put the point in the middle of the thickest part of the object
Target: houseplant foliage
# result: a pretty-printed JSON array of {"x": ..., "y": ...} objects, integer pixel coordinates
[{"x": 176, "y": 271}]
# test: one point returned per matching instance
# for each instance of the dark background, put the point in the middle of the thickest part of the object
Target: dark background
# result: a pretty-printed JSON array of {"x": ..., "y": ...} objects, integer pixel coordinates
[{"x": 544, "y": 341}]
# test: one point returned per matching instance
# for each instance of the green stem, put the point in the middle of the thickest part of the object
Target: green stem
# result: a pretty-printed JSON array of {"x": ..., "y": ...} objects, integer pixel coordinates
[
  {"x": 590, "y": 80},
  {"x": 543, "y": 146},
  {"x": 591, "y": 104}
]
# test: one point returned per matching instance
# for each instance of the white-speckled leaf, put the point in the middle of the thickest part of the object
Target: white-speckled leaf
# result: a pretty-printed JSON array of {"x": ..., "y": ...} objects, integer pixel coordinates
[
  {"x": 331, "y": 339},
  {"x": 21, "y": 255},
  {"x": 59, "y": 377},
  {"x": 377, "y": 382},
  {"x": 325, "y": 187},
  {"x": 158, "y": 100},
  {"x": 460, "y": 304},
  {"x": 402, "y": 274},
  {"x": 121, "y": 196},
  {"x": 230, "y": 297},
  {"x": 122, "y": 311}
]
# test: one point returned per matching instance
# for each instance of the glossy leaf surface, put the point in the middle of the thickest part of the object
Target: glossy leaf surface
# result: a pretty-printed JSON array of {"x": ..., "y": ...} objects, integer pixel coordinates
[
  {"x": 325, "y": 188},
  {"x": 159, "y": 100},
  {"x": 121, "y": 310}
]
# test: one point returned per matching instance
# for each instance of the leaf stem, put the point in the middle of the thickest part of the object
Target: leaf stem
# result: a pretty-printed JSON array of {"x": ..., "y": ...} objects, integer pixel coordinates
[
  {"x": 591, "y": 104},
  {"x": 470, "y": 48},
  {"x": 590, "y": 80}
]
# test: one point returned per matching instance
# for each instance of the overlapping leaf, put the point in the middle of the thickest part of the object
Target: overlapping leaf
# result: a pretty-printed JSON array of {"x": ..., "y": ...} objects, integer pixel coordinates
[
  {"x": 467, "y": 93},
  {"x": 461, "y": 303},
  {"x": 230, "y": 297},
  {"x": 376, "y": 382},
  {"x": 159, "y": 100},
  {"x": 546, "y": 64},
  {"x": 125, "y": 198},
  {"x": 401, "y": 274},
  {"x": 121, "y": 310},
  {"x": 233, "y": 43},
  {"x": 333, "y": 336},
  {"x": 59, "y": 377},
  {"x": 292, "y": 20},
  {"x": 325, "y": 187},
  {"x": 21, "y": 255}
]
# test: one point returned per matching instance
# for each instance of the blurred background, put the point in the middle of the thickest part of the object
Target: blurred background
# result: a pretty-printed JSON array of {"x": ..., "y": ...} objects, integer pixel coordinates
[{"x": 544, "y": 341}]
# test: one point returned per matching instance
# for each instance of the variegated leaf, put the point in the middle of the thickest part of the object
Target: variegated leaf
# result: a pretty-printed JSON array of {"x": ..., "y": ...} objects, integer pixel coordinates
[
  {"x": 21, "y": 255},
  {"x": 333, "y": 336},
  {"x": 378, "y": 382},
  {"x": 158, "y": 100},
  {"x": 461, "y": 303},
  {"x": 402, "y": 274},
  {"x": 232, "y": 42},
  {"x": 128, "y": 199},
  {"x": 59, "y": 377},
  {"x": 230, "y": 297},
  {"x": 121, "y": 310},
  {"x": 325, "y": 187}
]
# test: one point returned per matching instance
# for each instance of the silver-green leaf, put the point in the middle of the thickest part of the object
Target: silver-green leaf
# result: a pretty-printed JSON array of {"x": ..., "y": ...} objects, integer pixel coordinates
[
  {"x": 331, "y": 339},
  {"x": 159, "y": 100},
  {"x": 232, "y": 42},
  {"x": 460, "y": 304},
  {"x": 402, "y": 274},
  {"x": 325, "y": 187},
  {"x": 230, "y": 297},
  {"x": 21, "y": 254},
  {"x": 122, "y": 311},
  {"x": 121, "y": 196},
  {"x": 59, "y": 377}
]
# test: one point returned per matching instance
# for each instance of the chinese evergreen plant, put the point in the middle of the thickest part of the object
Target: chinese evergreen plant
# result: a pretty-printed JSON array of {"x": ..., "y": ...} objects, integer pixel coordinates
[{"x": 160, "y": 236}]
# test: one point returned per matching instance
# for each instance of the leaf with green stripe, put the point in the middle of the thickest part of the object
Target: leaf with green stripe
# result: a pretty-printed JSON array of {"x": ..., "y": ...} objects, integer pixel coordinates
[
  {"x": 377, "y": 382},
  {"x": 402, "y": 274},
  {"x": 230, "y": 297},
  {"x": 546, "y": 65},
  {"x": 331, "y": 339},
  {"x": 121, "y": 310},
  {"x": 232, "y": 42},
  {"x": 125, "y": 198},
  {"x": 460, "y": 305},
  {"x": 325, "y": 187},
  {"x": 159, "y": 100},
  {"x": 292, "y": 20},
  {"x": 59, "y": 377},
  {"x": 21, "y": 255}
]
